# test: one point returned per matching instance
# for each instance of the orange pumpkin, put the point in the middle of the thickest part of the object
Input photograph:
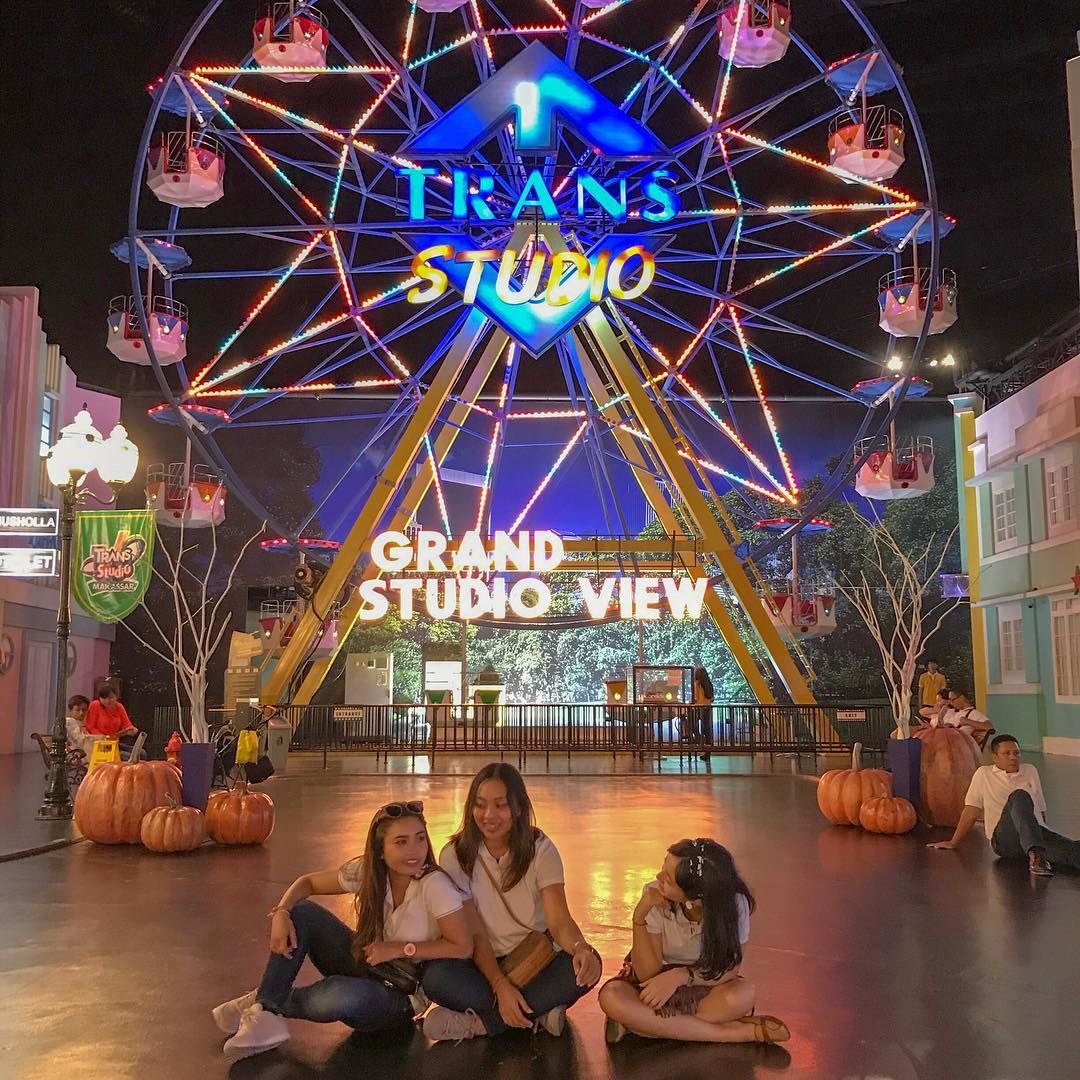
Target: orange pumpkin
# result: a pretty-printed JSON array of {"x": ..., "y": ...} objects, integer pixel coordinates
[
  {"x": 240, "y": 816},
  {"x": 890, "y": 814},
  {"x": 842, "y": 792},
  {"x": 173, "y": 828},
  {"x": 949, "y": 760},
  {"x": 114, "y": 798}
]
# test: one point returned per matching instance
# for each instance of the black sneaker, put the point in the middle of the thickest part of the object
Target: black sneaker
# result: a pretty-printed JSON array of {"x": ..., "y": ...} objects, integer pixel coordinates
[{"x": 1038, "y": 865}]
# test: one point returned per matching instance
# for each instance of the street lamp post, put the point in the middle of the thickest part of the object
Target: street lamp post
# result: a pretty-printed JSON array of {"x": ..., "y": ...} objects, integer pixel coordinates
[{"x": 79, "y": 451}]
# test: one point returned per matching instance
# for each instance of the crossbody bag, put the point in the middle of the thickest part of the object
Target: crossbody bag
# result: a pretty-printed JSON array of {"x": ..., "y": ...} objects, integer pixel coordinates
[{"x": 532, "y": 954}]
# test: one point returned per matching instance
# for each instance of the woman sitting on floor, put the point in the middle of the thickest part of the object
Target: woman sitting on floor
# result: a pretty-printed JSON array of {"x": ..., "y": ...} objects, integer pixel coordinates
[
  {"x": 516, "y": 978},
  {"x": 681, "y": 979},
  {"x": 408, "y": 912}
]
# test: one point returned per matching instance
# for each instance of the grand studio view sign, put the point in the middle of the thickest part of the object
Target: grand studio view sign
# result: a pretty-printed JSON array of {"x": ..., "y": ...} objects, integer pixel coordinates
[{"x": 501, "y": 578}]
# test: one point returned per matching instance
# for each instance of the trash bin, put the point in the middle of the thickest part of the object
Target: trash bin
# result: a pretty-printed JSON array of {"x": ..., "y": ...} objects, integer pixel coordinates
[{"x": 278, "y": 737}]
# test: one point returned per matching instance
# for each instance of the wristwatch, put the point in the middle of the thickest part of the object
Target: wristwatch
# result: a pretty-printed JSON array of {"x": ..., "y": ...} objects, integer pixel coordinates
[{"x": 409, "y": 950}]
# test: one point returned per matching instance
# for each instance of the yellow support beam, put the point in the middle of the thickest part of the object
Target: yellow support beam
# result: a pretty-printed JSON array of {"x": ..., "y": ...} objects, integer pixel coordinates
[
  {"x": 387, "y": 483},
  {"x": 966, "y": 408},
  {"x": 714, "y": 604},
  {"x": 697, "y": 506},
  {"x": 414, "y": 496}
]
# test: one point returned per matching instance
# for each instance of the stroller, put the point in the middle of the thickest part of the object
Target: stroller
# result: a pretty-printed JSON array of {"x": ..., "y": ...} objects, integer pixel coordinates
[{"x": 226, "y": 771}]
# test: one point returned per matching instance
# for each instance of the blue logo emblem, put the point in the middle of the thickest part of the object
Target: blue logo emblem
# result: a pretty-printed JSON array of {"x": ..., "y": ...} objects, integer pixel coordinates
[
  {"x": 530, "y": 92},
  {"x": 534, "y": 93}
]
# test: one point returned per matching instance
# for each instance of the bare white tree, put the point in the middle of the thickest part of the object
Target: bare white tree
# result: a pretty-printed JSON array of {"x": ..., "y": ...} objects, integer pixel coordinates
[
  {"x": 905, "y": 580},
  {"x": 189, "y": 632}
]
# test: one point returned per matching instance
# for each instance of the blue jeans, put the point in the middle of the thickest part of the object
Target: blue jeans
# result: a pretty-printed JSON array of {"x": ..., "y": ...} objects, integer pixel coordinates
[
  {"x": 1019, "y": 830},
  {"x": 344, "y": 994},
  {"x": 459, "y": 985}
]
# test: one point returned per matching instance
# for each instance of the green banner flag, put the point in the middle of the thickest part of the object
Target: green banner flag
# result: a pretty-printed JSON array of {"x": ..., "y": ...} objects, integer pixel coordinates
[{"x": 112, "y": 561}]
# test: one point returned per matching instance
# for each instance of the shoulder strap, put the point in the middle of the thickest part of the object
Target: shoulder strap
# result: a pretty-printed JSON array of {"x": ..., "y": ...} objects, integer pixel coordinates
[{"x": 502, "y": 895}]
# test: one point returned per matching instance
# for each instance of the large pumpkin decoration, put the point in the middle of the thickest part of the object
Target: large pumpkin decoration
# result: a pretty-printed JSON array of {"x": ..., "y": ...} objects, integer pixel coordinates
[
  {"x": 890, "y": 814},
  {"x": 842, "y": 792},
  {"x": 114, "y": 798},
  {"x": 949, "y": 760},
  {"x": 173, "y": 828},
  {"x": 240, "y": 816}
]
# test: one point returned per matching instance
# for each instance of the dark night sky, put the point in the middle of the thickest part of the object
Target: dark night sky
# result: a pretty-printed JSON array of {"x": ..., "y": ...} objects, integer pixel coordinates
[{"x": 988, "y": 78}]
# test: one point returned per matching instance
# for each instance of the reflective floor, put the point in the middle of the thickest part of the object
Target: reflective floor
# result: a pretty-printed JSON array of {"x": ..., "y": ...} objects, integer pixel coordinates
[{"x": 886, "y": 960}]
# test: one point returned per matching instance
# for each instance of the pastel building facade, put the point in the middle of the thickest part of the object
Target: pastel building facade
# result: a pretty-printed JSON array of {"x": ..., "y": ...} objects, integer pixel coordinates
[
  {"x": 1024, "y": 474},
  {"x": 39, "y": 394}
]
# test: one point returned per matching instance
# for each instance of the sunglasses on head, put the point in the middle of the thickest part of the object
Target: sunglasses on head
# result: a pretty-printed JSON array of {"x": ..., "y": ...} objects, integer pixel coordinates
[{"x": 401, "y": 809}]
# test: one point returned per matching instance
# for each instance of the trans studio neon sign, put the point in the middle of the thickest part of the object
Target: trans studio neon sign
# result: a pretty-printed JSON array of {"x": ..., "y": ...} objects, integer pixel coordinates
[
  {"x": 535, "y": 295},
  {"x": 465, "y": 582}
]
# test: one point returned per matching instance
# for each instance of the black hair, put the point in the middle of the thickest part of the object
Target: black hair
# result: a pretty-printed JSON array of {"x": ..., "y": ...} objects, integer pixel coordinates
[
  {"x": 945, "y": 692},
  {"x": 997, "y": 740},
  {"x": 706, "y": 872},
  {"x": 931, "y": 661},
  {"x": 701, "y": 677},
  {"x": 78, "y": 699},
  {"x": 106, "y": 689}
]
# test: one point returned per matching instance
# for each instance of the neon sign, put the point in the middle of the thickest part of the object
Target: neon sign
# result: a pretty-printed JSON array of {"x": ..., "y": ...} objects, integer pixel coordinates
[
  {"x": 535, "y": 294},
  {"x": 466, "y": 582},
  {"x": 473, "y": 195}
]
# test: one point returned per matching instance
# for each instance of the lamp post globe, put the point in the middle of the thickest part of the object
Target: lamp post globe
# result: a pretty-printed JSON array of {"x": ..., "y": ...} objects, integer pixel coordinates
[
  {"x": 75, "y": 453},
  {"x": 79, "y": 451},
  {"x": 118, "y": 457}
]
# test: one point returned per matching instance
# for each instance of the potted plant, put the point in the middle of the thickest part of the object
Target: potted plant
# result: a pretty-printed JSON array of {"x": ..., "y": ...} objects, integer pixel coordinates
[
  {"x": 187, "y": 634},
  {"x": 901, "y": 631}
]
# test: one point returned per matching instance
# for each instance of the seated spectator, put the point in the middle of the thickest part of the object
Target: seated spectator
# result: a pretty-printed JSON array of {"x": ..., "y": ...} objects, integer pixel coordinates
[
  {"x": 107, "y": 717},
  {"x": 1009, "y": 797},
  {"x": 77, "y": 736},
  {"x": 963, "y": 715},
  {"x": 682, "y": 978},
  {"x": 935, "y": 713}
]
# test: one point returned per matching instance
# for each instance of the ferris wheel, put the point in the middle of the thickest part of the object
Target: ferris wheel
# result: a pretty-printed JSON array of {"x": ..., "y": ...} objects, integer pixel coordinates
[{"x": 494, "y": 245}]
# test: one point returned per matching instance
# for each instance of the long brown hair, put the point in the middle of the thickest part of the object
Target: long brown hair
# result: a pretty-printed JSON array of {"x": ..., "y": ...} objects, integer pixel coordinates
[
  {"x": 372, "y": 895},
  {"x": 523, "y": 830}
]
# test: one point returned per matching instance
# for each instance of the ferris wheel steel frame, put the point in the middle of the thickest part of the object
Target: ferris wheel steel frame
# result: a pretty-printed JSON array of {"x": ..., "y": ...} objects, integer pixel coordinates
[{"x": 615, "y": 343}]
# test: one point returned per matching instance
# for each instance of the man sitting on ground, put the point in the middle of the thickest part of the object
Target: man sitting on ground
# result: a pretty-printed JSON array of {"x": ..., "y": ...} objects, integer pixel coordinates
[
  {"x": 963, "y": 715},
  {"x": 1009, "y": 796}
]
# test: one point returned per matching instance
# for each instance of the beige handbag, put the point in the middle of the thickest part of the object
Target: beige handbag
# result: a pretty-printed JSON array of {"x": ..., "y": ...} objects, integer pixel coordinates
[{"x": 531, "y": 955}]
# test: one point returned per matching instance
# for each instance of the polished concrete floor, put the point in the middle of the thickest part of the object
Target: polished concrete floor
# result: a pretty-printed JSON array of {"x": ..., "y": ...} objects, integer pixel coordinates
[{"x": 885, "y": 959}]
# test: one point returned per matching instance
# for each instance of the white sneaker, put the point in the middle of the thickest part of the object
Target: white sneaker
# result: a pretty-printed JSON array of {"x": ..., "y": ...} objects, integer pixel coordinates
[
  {"x": 227, "y": 1015},
  {"x": 445, "y": 1025},
  {"x": 554, "y": 1020},
  {"x": 259, "y": 1031}
]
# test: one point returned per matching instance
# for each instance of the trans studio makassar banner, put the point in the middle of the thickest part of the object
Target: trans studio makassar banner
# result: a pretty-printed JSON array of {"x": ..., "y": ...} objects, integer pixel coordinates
[{"x": 463, "y": 580}]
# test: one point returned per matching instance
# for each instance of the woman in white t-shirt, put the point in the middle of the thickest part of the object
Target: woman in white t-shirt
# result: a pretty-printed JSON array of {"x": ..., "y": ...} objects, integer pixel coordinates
[
  {"x": 408, "y": 912},
  {"x": 515, "y": 876},
  {"x": 681, "y": 979}
]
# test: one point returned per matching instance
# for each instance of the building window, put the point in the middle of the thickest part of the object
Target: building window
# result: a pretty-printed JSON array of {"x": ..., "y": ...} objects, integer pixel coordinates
[
  {"x": 46, "y": 437},
  {"x": 1004, "y": 517},
  {"x": 48, "y": 423},
  {"x": 1059, "y": 495},
  {"x": 1065, "y": 634},
  {"x": 1011, "y": 643}
]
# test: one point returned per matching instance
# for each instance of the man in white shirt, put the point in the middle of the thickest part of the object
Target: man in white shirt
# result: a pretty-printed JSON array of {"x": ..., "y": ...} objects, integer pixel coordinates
[
  {"x": 963, "y": 715},
  {"x": 1009, "y": 797}
]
